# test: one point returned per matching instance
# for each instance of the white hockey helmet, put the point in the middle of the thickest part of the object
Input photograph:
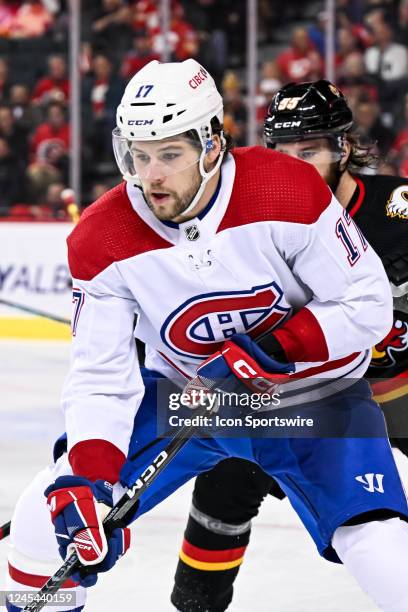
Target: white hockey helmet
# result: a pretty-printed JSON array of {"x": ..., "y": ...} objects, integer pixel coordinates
[{"x": 164, "y": 100}]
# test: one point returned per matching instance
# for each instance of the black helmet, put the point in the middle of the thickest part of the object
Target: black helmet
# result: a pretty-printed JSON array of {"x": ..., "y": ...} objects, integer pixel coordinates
[{"x": 307, "y": 110}]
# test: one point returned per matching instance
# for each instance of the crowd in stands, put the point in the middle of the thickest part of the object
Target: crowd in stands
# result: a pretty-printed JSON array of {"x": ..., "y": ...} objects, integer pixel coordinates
[{"x": 118, "y": 37}]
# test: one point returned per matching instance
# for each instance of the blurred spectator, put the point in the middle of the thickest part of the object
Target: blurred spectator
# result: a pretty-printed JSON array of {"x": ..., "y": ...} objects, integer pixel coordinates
[
  {"x": 111, "y": 25},
  {"x": 399, "y": 150},
  {"x": 353, "y": 9},
  {"x": 12, "y": 178},
  {"x": 359, "y": 29},
  {"x": 7, "y": 12},
  {"x": 269, "y": 84},
  {"x": 317, "y": 32},
  {"x": 270, "y": 79},
  {"x": 32, "y": 19},
  {"x": 85, "y": 58},
  {"x": 234, "y": 108},
  {"x": 4, "y": 79},
  {"x": 16, "y": 136},
  {"x": 50, "y": 150},
  {"x": 347, "y": 44},
  {"x": 402, "y": 25},
  {"x": 53, "y": 201},
  {"x": 301, "y": 62},
  {"x": 210, "y": 21},
  {"x": 144, "y": 14},
  {"x": 182, "y": 38},
  {"x": 50, "y": 207},
  {"x": 370, "y": 128},
  {"x": 102, "y": 92},
  {"x": 25, "y": 115},
  {"x": 140, "y": 55},
  {"x": 54, "y": 87},
  {"x": 386, "y": 59},
  {"x": 54, "y": 132},
  {"x": 373, "y": 18},
  {"x": 354, "y": 81}
]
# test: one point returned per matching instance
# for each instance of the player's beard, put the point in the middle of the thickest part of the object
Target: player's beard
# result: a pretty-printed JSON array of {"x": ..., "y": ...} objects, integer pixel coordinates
[{"x": 180, "y": 201}]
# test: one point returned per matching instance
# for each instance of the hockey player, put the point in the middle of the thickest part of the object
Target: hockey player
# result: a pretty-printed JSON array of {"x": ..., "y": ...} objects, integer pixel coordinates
[
  {"x": 211, "y": 249},
  {"x": 313, "y": 122}
]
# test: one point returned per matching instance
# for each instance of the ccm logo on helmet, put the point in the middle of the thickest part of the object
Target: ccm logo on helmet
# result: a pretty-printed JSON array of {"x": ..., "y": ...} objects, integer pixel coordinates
[
  {"x": 287, "y": 124},
  {"x": 198, "y": 78},
  {"x": 140, "y": 122}
]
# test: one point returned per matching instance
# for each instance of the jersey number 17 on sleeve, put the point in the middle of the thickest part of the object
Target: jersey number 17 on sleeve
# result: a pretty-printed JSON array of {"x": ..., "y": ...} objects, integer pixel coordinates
[
  {"x": 78, "y": 299},
  {"x": 344, "y": 227}
]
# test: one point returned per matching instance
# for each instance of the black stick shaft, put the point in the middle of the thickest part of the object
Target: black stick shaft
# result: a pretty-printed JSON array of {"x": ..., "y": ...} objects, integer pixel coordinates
[
  {"x": 5, "y": 530},
  {"x": 35, "y": 311}
]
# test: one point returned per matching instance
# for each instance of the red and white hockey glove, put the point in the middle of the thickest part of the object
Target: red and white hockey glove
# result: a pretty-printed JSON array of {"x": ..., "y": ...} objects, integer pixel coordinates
[
  {"x": 242, "y": 362},
  {"x": 78, "y": 507}
]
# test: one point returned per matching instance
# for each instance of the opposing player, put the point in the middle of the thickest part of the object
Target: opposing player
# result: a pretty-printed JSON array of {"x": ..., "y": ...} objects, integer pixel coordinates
[
  {"x": 313, "y": 122},
  {"x": 212, "y": 249}
]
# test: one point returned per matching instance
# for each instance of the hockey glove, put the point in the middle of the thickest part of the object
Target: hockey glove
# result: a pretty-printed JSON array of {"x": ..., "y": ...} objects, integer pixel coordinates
[
  {"x": 78, "y": 507},
  {"x": 242, "y": 362}
]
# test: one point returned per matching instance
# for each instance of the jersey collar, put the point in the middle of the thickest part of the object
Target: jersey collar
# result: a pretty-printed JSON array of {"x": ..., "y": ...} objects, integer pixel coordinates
[{"x": 209, "y": 218}]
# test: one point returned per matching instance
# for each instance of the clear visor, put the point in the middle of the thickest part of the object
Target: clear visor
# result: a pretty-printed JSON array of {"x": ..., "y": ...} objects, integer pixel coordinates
[
  {"x": 155, "y": 159},
  {"x": 316, "y": 151}
]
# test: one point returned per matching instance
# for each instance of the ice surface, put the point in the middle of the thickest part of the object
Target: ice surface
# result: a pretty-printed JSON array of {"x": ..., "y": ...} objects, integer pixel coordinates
[{"x": 282, "y": 571}]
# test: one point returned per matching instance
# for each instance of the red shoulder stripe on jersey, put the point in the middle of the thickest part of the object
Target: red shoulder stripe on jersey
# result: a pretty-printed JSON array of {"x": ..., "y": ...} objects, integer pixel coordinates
[
  {"x": 96, "y": 459},
  {"x": 265, "y": 189},
  {"x": 302, "y": 338},
  {"x": 108, "y": 231},
  {"x": 34, "y": 580},
  {"x": 360, "y": 198}
]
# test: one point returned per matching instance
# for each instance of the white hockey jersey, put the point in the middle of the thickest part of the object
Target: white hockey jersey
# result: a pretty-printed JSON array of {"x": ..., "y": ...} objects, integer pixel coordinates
[{"x": 272, "y": 250}]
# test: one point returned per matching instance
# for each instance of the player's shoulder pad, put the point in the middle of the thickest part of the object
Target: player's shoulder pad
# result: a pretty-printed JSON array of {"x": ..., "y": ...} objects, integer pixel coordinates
[
  {"x": 109, "y": 231},
  {"x": 272, "y": 186}
]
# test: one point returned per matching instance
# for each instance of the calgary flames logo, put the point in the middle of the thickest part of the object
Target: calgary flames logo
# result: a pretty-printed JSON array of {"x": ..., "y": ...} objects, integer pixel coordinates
[
  {"x": 397, "y": 205},
  {"x": 396, "y": 340}
]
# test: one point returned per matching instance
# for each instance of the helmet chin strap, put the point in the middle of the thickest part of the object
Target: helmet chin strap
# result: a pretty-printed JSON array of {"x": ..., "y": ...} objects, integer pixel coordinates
[{"x": 205, "y": 175}]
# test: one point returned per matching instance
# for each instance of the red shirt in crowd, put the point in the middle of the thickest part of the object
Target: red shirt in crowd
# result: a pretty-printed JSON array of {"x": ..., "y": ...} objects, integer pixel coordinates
[
  {"x": 45, "y": 86},
  {"x": 300, "y": 66},
  {"x": 46, "y": 138}
]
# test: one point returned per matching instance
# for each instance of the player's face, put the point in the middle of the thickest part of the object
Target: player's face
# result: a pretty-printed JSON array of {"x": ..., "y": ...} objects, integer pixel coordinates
[
  {"x": 168, "y": 171},
  {"x": 317, "y": 152}
]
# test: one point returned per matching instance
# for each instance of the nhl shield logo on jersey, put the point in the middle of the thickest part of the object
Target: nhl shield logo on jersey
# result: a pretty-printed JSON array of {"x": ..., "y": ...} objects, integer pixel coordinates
[
  {"x": 199, "y": 326},
  {"x": 192, "y": 233},
  {"x": 397, "y": 205}
]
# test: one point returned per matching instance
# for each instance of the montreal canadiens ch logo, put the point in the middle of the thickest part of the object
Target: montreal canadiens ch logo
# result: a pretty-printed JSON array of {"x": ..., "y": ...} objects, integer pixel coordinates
[{"x": 198, "y": 327}]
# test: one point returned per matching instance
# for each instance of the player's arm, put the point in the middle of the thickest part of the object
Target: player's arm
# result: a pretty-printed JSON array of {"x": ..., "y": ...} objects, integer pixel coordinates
[
  {"x": 100, "y": 398},
  {"x": 351, "y": 303},
  {"x": 104, "y": 387}
]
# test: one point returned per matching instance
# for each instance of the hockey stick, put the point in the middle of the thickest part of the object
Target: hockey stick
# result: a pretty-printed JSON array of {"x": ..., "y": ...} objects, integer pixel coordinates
[
  {"x": 34, "y": 311},
  {"x": 123, "y": 508},
  {"x": 5, "y": 530}
]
